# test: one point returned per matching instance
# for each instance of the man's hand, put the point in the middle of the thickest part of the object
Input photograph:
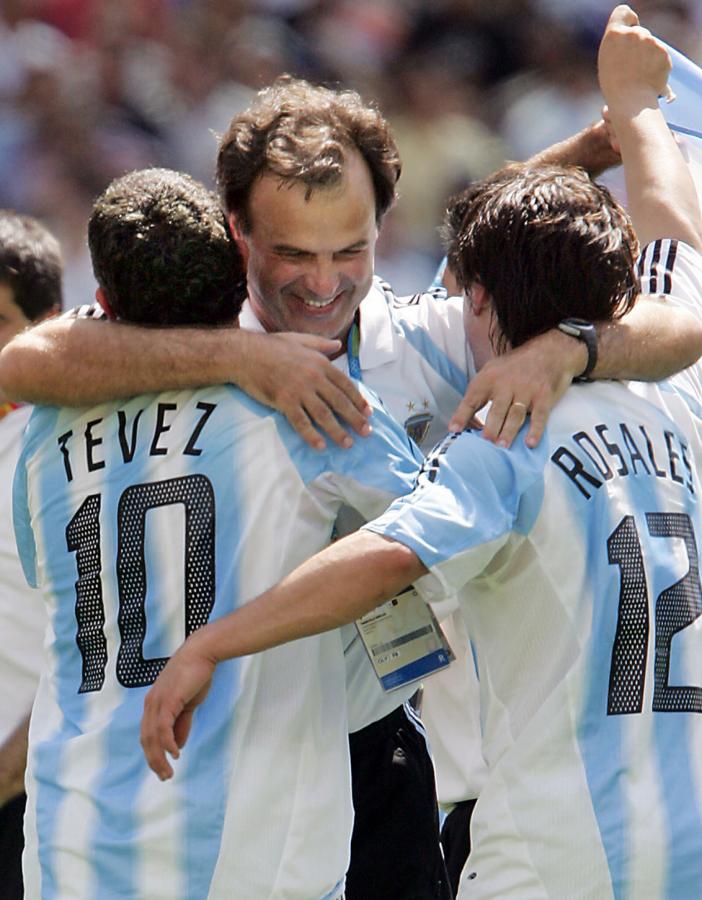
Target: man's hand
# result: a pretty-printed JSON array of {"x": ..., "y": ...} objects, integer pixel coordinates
[
  {"x": 293, "y": 375},
  {"x": 527, "y": 381},
  {"x": 169, "y": 705},
  {"x": 591, "y": 149},
  {"x": 633, "y": 67}
]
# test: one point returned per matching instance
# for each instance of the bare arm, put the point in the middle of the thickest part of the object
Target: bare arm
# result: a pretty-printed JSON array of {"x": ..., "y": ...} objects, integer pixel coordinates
[
  {"x": 633, "y": 70},
  {"x": 13, "y": 761},
  {"x": 590, "y": 149},
  {"x": 653, "y": 341},
  {"x": 341, "y": 583},
  {"x": 79, "y": 362}
]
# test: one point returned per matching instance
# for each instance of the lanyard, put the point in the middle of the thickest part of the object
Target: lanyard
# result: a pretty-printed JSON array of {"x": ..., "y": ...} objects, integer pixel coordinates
[
  {"x": 7, "y": 408},
  {"x": 353, "y": 344}
]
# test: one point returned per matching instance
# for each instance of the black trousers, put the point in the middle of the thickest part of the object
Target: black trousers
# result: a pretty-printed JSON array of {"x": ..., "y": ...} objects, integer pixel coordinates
[
  {"x": 395, "y": 848},
  {"x": 455, "y": 839},
  {"x": 11, "y": 846}
]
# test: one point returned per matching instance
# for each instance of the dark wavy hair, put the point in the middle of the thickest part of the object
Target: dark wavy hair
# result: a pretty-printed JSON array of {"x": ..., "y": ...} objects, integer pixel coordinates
[
  {"x": 547, "y": 243},
  {"x": 162, "y": 252},
  {"x": 30, "y": 264},
  {"x": 302, "y": 133}
]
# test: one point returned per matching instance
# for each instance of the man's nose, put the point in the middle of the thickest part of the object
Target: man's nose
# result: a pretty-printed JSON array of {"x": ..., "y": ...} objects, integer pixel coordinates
[{"x": 323, "y": 279}]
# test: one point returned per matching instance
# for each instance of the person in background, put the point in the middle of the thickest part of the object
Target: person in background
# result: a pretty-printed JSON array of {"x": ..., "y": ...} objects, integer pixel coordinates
[{"x": 30, "y": 290}]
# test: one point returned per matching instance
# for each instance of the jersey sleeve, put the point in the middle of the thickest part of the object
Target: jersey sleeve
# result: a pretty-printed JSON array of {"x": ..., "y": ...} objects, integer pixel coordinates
[
  {"x": 377, "y": 468},
  {"x": 472, "y": 499},
  {"x": 672, "y": 271},
  {"x": 24, "y": 535}
]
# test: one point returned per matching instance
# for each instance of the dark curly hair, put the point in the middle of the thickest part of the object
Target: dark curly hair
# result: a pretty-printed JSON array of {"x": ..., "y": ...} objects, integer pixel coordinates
[
  {"x": 162, "y": 252},
  {"x": 547, "y": 243},
  {"x": 302, "y": 133},
  {"x": 30, "y": 264}
]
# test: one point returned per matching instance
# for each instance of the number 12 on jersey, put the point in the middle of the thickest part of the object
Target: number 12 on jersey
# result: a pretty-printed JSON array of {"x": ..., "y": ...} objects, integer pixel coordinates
[
  {"x": 676, "y": 608},
  {"x": 196, "y": 494}
]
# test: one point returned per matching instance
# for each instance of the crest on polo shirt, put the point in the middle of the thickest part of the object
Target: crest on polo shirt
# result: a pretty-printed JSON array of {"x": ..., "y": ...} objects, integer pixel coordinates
[{"x": 417, "y": 425}]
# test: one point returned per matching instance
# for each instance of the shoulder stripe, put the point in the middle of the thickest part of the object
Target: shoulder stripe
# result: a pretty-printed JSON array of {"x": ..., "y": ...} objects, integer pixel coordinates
[
  {"x": 656, "y": 265},
  {"x": 86, "y": 311},
  {"x": 669, "y": 266}
]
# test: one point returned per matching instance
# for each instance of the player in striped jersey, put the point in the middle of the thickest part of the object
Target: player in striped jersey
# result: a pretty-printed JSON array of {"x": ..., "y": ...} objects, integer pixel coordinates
[
  {"x": 141, "y": 520},
  {"x": 306, "y": 222},
  {"x": 30, "y": 290},
  {"x": 577, "y": 561}
]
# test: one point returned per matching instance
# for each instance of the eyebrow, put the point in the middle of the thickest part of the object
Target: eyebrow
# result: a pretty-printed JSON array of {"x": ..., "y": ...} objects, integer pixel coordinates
[{"x": 359, "y": 245}]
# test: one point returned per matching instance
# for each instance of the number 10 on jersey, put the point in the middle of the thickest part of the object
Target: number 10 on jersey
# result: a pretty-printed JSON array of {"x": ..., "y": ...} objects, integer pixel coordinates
[{"x": 196, "y": 494}]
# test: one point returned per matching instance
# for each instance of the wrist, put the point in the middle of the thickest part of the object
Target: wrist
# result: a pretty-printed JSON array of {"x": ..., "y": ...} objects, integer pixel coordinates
[
  {"x": 628, "y": 105},
  {"x": 571, "y": 351},
  {"x": 201, "y": 644},
  {"x": 585, "y": 334}
]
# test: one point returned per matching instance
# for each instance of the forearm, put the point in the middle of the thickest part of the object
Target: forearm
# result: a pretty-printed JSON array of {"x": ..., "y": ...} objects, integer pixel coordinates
[
  {"x": 590, "y": 149},
  {"x": 13, "y": 761},
  {"x": 655, "y": 340},
  {"x": 349, "y": 578},
  {"x": 76, "y": 362}
]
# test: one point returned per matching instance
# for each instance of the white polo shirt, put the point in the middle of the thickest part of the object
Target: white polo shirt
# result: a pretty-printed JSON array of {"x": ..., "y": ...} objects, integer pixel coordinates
[{"x": 413, "y": 354}]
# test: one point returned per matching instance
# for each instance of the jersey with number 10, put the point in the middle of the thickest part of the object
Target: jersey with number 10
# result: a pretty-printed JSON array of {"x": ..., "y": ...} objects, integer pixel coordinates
[
  {"x": 141, "y": 521},
  {"x": 578, "y": 564}
]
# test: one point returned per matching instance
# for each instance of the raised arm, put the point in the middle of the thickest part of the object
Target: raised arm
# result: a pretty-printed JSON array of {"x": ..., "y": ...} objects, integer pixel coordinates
[
  {"x": 633, "y": 70},
  {"x": 655, "y": 340},
  {"x": 78, "y": 362},
  {"x": 348, "y": 579}
]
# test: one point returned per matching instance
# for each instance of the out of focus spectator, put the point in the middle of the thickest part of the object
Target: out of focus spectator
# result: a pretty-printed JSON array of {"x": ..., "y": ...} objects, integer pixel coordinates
[{"x": 92, "y": 88}]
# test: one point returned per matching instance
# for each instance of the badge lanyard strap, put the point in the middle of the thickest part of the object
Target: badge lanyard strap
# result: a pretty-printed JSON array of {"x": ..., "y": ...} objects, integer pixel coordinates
[
  {"x": 7, "y": 408},
  {"x": 353, "y": 344}
]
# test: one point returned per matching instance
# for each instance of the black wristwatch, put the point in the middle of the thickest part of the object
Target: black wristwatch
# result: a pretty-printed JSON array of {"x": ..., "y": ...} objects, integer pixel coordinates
[{"x": 585, "y": 332}]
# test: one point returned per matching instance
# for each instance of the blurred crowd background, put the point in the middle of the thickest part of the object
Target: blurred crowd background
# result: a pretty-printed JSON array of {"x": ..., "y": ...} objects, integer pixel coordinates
[{"x": 92, "y": 88}]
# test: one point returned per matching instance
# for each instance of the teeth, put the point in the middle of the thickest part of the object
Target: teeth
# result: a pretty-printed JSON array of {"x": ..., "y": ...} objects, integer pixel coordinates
[{"x": 319, "y": 304}]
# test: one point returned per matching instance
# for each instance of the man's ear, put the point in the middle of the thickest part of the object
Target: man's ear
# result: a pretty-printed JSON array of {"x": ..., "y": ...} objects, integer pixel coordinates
[
  {"x": 478, "y": 298},
  {"x": 104, "y": 303},
  {"x": 238, "y": 235}
]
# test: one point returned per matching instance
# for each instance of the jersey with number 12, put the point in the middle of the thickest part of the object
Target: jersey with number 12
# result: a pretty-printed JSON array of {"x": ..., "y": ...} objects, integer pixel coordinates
[{"x": 578, "y": 566}]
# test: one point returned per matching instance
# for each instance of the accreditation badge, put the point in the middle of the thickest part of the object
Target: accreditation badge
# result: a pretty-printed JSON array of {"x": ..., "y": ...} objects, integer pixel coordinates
[{"x": 404, "y": 641}]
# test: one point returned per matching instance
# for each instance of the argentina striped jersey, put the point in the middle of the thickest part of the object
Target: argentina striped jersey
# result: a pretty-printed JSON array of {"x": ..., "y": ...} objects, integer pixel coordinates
[
  {"x": 140, "y": 521},
  {"x": 578, "y": 568}
]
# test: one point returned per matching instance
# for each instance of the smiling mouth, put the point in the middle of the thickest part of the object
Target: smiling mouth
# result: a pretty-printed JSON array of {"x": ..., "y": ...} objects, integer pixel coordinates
[{"x": 318, "y": 304}]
